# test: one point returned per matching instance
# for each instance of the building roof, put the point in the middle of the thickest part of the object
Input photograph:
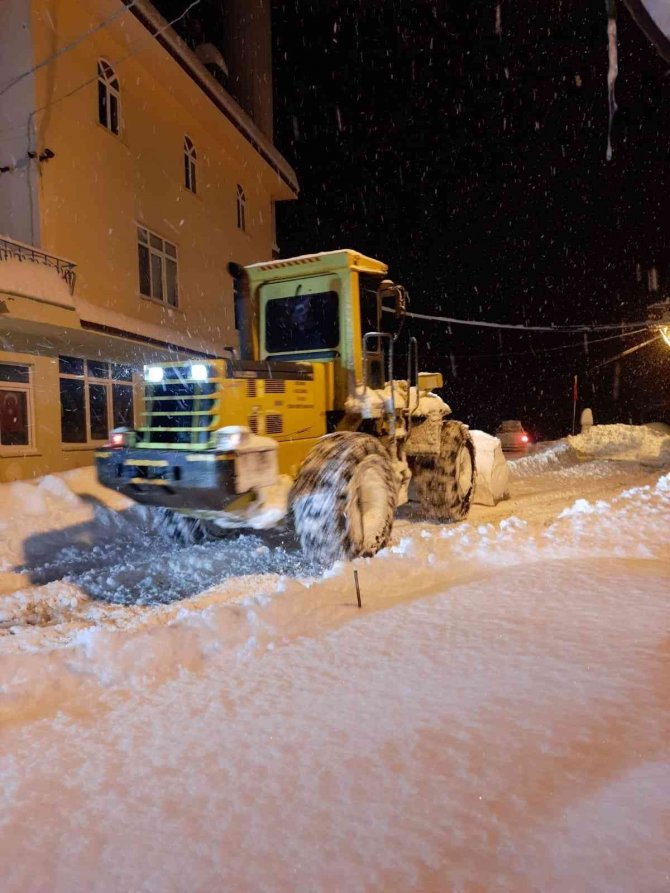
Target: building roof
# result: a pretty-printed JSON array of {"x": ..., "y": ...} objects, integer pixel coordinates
[{"x": 168, "y": 38}]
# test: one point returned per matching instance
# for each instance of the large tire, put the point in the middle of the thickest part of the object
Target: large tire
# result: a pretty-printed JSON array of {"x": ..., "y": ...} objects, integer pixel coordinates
[
  {"x": 344, "y": 497},
  {"x": 445, "y": 483}
]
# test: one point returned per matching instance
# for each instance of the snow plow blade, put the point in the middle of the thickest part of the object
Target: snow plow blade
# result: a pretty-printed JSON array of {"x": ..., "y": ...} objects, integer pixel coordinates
[{"x": 167, "y": 478}]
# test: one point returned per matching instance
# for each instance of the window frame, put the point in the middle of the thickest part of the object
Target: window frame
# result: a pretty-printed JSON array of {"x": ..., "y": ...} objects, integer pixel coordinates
[
  {"x": 165, "y": 257},
  {"x": 108, "y": 82},
  {"x": 190, "y": 165},
  {"x": 28, "y": 389},
  {"x": 108, "y": 383},
  {"x": 241, "y": 208}
]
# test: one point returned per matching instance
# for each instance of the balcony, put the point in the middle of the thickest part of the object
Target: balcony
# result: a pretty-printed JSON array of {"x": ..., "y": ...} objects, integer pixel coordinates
[{"x": 28, "y": 272}]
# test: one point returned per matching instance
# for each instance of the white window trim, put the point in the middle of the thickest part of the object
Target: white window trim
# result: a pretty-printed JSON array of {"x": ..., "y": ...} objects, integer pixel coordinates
[
  {"x": 191, "y": 166},
  {"x": 90, "y": 379},
  {"x": 27, "y": 388},
  {"x": 163, "y": 255},
  {"x": 106, "y": 81},
  {"x": 241, "y": 209}
]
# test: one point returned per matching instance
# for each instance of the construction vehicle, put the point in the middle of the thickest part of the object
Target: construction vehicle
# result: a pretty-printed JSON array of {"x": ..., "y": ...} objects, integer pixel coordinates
[{"x": 310, "y": 424}]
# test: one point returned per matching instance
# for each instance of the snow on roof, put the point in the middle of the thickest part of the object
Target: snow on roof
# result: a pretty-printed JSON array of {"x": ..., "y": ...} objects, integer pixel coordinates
[{"x": 344, "y": 257}]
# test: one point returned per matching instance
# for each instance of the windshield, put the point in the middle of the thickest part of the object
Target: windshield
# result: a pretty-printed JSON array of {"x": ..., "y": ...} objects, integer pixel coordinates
[{"x": 303, "y": 322}]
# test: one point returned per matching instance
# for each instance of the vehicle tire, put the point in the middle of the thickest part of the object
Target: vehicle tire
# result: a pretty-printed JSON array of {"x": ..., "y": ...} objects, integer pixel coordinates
[
  {"x": 344, "y": 497},
  {"x": 445, "y": 483},
  {"x": 182, "y": 530},
  {"x": 212, "y": 531}
]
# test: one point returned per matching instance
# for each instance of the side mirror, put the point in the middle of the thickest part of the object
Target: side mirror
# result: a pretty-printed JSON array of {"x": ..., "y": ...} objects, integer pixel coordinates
[{"x": 388, "y": 290}]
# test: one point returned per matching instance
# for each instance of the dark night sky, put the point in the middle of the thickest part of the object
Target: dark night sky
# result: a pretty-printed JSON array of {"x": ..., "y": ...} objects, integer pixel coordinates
[{"x": 474, "y": 164}]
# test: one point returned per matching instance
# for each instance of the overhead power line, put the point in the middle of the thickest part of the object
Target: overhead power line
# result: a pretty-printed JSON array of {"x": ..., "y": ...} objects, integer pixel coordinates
[
  {"x": 574, "y": 345},
  {"x": 67, "y": 47},
  {"x": 92, "y": 80},
  {"x": 450, "y": 320}
]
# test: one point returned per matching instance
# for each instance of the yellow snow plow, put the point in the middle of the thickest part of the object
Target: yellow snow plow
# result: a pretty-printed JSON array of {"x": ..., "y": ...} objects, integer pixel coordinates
[{"x": 314, "y": 422}]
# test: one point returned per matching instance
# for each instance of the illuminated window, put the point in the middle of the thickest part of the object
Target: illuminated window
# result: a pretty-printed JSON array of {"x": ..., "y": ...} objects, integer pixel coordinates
[
  {"x": 95, "y": 396},
  {"x": 157, "y": 267},
  {"x": 109, "y": 98},
  {"x": 190, "y": 158},
  {"x": 241, "y": 208},
  {"x": 15, "y": 407}
]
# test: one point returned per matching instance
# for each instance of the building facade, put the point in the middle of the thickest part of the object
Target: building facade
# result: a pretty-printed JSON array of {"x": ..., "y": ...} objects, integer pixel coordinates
[{"x": 132, "y": 178}]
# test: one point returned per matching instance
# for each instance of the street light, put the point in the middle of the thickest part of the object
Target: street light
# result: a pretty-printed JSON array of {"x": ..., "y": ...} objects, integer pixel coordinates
[{"x": 659, "y": 315}]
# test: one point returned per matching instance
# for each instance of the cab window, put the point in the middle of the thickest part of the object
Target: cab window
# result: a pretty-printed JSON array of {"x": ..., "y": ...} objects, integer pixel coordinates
[{"x": 302, "y": 322}]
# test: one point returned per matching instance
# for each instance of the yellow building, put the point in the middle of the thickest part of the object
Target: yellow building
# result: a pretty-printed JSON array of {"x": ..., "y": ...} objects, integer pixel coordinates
[{"x": 132, "y": 179}]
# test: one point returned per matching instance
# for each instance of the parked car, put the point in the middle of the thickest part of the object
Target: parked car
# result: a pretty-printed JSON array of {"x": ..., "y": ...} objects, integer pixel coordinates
[{"x": 513, "y": 437}]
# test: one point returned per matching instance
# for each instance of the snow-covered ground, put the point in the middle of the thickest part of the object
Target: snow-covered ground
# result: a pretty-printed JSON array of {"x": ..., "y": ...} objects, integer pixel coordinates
[{"x": 223, "y": 717}]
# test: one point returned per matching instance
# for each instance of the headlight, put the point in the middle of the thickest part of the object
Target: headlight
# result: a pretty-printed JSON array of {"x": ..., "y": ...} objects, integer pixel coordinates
[
  {"x": 122, "y": 437},
  {"x": 231, "y": 438},
  {"x": 199, "y": 372},
  {"x": 153, "y": 373}
]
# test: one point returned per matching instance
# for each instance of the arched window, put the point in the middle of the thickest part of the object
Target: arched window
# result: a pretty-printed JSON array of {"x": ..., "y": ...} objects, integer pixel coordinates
[
  {"x": 190, "y": 158},
  {"x": 108, "y": 96},
  {"x": 241, "y": 208}
]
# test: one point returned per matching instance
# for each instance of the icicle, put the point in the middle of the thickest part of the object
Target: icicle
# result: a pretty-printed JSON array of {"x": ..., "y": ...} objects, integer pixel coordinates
[
  {"x": 612, "y": 71},
  {"x": 498, "y": 20}
]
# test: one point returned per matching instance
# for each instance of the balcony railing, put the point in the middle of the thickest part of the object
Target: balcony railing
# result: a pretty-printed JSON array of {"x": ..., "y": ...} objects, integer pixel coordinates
[{"x": 11, "y": 250}]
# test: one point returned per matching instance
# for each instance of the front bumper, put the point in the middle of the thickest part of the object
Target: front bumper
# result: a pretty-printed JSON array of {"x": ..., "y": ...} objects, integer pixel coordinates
[{"x": 170, "y": 478}]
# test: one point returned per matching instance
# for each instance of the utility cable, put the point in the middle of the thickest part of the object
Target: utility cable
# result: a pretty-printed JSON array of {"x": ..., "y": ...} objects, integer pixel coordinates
[
  {"x": 120, "y": 61},
  {"x": 67, "y": 47},
  {"x": 450, "y": 320},
  {"x": 575, "y": 345}
]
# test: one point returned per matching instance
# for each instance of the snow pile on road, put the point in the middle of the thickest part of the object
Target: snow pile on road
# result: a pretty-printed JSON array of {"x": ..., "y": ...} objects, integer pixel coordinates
[
  {"x": 632, "y": 443},
  {"x": 492, "y": 477},
  {"x": 49, "y": 503},
  {"x": 56, "y": 515},
  {"x": 648, "y": 445},
  {"x": 546, "y": 458},
  {"x": 496, "y": 717}
]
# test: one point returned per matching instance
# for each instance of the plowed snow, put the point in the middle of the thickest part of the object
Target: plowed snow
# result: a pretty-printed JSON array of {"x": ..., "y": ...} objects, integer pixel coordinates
[{"x": 496, "y": 717}]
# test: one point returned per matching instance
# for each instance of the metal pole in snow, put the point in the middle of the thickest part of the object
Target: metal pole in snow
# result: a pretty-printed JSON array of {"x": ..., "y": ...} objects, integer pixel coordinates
[
  {"x": 574, "y": 402},
  {"x": 358, "y": 589}
]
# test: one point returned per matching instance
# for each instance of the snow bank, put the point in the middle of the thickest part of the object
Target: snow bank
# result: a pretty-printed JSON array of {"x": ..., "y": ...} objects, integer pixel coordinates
[
  {"x": 32, "y": 513},
  {"x": 546, "y": 458},
  {"x": 648, "y": 444},
  {"x": 495, "y": 717},
  {"x": 505, "y": 732},
  {"x": 75, "y": 557},
  {"x": 492, "y": 480}
]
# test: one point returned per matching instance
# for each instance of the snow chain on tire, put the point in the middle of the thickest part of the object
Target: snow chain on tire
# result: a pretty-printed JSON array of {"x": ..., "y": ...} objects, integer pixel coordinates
[
  {"x": 436, "y": 478},
  {"x": 181, "y": 529},
  {"x": 344, "y": 497}
]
